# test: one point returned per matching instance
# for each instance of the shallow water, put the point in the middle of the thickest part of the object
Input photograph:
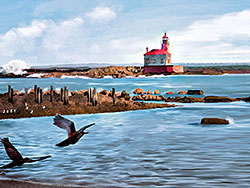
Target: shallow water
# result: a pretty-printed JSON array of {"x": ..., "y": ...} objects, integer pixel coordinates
[{"x": 146, "y": 148}]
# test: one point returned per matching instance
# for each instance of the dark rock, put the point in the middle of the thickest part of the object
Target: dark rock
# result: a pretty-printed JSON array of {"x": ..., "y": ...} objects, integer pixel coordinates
[
  {"x": 214, "y": 121},
  {"x": 104, "y": 92},
  {"x": 218, "y": 99},
  {"x": 195, "y": 92},
  {"x": 247, "y": 99}
]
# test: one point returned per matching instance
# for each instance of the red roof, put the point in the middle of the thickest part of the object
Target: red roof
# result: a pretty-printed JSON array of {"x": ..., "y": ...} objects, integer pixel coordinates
[
  {"x": 157, "y": 52},
  {"x": 165, "y": 36}
]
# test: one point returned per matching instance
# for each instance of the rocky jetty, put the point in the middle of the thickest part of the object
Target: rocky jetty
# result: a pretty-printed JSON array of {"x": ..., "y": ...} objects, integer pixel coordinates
[
  {"x": 214, "y": 121},
  {"x": 78, "y": 103},
  {"x": 187, "y": 98}
]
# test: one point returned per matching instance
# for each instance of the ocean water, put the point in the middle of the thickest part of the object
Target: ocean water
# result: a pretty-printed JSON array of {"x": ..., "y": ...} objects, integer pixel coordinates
[{"x": 146, "y": 148}]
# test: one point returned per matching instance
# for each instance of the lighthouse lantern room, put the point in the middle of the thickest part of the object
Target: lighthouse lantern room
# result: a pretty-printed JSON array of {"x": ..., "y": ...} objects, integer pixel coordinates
[{"x": 159, "y": 60}]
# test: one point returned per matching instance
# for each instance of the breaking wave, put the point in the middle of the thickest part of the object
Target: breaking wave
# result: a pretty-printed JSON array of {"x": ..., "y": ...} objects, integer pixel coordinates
[{"x": 15, "y": 66}]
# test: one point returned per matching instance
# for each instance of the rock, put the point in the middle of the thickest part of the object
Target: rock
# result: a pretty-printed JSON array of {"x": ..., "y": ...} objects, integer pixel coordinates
[
  {"x": 182, "y": 92},
  {"x": 247, "y": 99},
  {"x": 218, "y": 99},
  {"x": 158, "y": 98},
  {"x": 170, "y": 93},
  {"x": 104, "y": 92},
  {"x": 149, "y": 92},
  {"x": 138, "y": 91},
  {"x": 170, "y": 99},
  {"x": 195, "y": 92},
  {"x": 156, "y": 91},
  {"x": 138, "y": 97},
  {"x": 177, "y": 99},
  {"x": 31, "y": 91},
  {"x": 125, "y": 95},
  {"x": 214, "y": 121},
  {"x": 16, "y": 92}
]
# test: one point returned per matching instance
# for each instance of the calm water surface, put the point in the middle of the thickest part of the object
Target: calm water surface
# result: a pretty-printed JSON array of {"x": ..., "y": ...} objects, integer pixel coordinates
[{"x": 146, "y": 148}]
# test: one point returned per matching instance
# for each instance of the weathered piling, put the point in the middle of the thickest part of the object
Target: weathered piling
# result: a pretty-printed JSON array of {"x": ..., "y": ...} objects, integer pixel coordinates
[
  {"x": 41, "y": 95},
  {"x": 10, "y": 94},
  {"x": 62, "y": 94},
  {"x": 89, "y": 94},
  {"x": 95, "y": 97},
  {"x": 38, "y": 97},
  {"x": 66, "y": 96},
  {"x": 51, "y": 93},
  {"x": 35, "y": 93},
  {"x": 25, "y": 94},
  {"x": 113, "y": 95}
]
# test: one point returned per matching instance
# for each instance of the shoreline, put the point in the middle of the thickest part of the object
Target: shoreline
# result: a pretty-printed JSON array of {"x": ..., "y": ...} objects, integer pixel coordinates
[{"x": 125, "y": 71}]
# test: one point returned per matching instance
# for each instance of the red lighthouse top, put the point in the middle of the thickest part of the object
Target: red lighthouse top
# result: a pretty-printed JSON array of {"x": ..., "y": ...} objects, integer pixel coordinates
[
  {"x": 163, "y": 50},
  {"x": 165, "y": 36}
]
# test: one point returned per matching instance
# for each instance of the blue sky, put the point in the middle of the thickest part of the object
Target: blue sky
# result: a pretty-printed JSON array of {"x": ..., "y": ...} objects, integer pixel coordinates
[{"x": 111, "y": 31}]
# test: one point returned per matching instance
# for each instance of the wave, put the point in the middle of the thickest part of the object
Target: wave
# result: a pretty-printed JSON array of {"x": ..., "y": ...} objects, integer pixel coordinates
[
  {"x": 238, "y": 104},
  {"x": 36, "y": 75},
  {"x": 81, "y": 77}
]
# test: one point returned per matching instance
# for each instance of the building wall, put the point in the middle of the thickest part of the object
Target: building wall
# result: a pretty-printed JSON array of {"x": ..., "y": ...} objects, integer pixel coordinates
[{"x": 155, "y": 60}]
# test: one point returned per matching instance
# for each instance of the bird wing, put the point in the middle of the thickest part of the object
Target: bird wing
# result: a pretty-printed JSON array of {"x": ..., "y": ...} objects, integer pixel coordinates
[
  {"x": 11, "y": 150},
  {"x": 10, "y": 165},
  {"x": 65, "y": 124},
  {"x": 35, "y": 159},
  {"x": 85, "y": 127}
]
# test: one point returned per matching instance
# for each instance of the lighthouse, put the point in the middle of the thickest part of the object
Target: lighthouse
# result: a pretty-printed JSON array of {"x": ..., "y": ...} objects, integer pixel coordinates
[{"x": 159, "y": 60}]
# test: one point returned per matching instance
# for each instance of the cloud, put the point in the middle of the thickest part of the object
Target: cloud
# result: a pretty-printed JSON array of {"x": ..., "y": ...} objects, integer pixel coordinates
[
  {"x": 21, "y": 38},
  {"x": 224, "y": 38},
  {"x": 58, "y": 35},
  {"x": 102, "y": 14}
]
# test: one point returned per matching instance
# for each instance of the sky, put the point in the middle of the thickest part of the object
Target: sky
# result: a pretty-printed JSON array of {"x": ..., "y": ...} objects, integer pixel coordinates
[{"x": 118, "y": 31}]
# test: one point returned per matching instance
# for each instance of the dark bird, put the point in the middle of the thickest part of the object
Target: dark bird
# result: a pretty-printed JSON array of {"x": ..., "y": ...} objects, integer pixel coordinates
[
  {"x": 73, "y": 135},
  {"x": 16, "y": 157}
]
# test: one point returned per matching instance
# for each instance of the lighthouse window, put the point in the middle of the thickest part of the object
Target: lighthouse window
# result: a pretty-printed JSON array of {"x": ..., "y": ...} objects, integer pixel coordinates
[
  {"x": 162, "y": 61},
  {"x": 154, "y": 60},
  {"x": 147, "y": 61}
]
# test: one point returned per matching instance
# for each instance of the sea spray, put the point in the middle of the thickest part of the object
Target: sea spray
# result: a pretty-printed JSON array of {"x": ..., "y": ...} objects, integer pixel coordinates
[
  {"x": 230, "y": 119},
  {"x": 15, "y": 66}
]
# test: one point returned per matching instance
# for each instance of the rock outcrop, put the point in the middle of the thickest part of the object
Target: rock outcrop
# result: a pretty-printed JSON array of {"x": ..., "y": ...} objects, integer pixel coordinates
[
  {"x": 138, "y": 91},
  {"x": 214, "y": 121},
  {"x": 195, "y": 92},
  {"x": 218, "y": 99}
]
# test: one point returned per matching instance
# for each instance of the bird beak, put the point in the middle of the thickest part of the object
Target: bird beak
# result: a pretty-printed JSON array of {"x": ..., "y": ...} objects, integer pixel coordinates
[{"x": 86, "y": 132}]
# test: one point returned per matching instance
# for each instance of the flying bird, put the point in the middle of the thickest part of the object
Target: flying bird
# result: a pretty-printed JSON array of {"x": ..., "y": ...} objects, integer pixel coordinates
[
  {"x": 73, "y": 135},
  {"x": 16, "y": 157}
]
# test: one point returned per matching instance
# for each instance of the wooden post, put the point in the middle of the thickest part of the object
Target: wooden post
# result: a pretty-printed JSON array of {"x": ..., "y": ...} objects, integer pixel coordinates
[
  {"x": 25, "y": 94},
  {"x": 94, "y": 99},
  {"x": 9, "y": 93},
  {"x": 89, "y": 95},
  {"x": 51, "y": 93},
  {"x": 35, "y": 93},
  {"x": 62, "y": 94},
  {"x": 38, "y": 97},
  {"x": 41, "y": 95},
  {"x": 65, "y": 99},
  {"x": 113, "y": 95}
]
